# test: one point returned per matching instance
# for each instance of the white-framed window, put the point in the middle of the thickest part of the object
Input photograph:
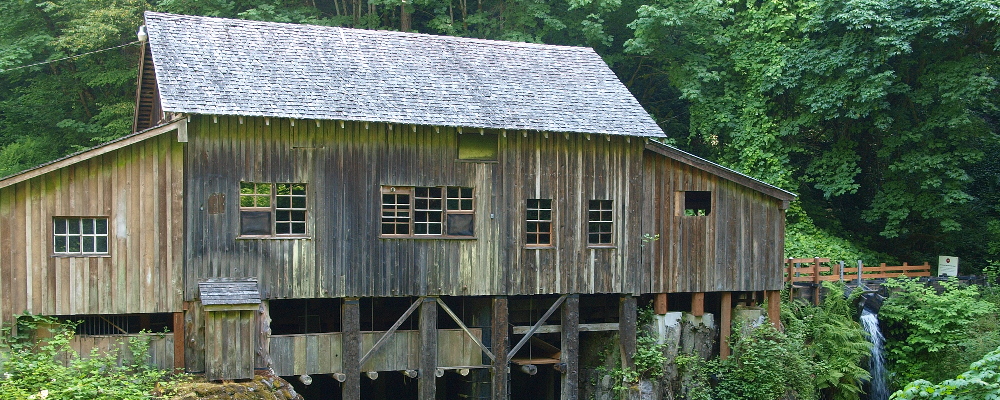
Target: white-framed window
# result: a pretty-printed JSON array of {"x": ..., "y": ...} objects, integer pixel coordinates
[{"x": 80, "y": 235}]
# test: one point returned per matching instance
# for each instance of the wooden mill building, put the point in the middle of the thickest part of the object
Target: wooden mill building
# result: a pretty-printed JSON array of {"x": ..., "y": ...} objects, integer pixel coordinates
[{"x": 380, "y": 212}]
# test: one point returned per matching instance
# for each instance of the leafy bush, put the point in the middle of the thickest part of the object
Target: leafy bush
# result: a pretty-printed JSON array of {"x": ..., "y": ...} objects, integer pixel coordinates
[
  {"x": 922, "y": 324},
  {"x": 833, "y": 340},
  {"x": 981, "y": 381},
  {"x": 766, "y": 365},
  {"x": 48, "y": 368}
]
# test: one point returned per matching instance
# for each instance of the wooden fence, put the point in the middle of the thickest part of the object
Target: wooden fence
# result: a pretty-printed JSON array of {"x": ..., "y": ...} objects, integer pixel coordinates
[{"x": 816, "y": 270}]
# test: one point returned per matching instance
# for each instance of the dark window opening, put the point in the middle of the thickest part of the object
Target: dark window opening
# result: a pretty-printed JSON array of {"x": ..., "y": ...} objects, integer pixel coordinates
[
  {"x": 299, "y": 316},
  {"x": 476, "y": 146},
  {"x": 120, "y": 324},
  {"x": 697, "y": 203},
  {"x": 443, "y": 211},
  {"x": 599, "y": 222},
  {"x": 538, "y": 222}
]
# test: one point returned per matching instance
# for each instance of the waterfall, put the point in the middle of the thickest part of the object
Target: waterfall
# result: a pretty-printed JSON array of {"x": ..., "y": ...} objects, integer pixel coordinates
[{"x": 876, "y": 364}]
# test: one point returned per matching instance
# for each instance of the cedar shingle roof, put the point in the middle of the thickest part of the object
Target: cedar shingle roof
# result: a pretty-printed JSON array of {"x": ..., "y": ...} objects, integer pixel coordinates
[
  {"x": 229, "y": 292},
  {"x": 238, "y": 67}
]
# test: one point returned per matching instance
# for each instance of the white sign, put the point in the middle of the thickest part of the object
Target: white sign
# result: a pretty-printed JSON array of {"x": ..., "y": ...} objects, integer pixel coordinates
[{"x": 947, "y": 266}]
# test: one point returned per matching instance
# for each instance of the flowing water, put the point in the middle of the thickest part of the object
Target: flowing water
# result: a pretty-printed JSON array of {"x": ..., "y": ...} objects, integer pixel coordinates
[{"x": 876, "y": 364}]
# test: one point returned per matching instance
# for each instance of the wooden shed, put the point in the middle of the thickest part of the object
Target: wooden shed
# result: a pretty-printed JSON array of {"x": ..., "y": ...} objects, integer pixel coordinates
[{"x": 400, "y": 204}]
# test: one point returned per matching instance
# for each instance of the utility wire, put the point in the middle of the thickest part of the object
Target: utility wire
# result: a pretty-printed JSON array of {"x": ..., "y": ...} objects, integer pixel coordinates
[{"x": 70, "y": 57}]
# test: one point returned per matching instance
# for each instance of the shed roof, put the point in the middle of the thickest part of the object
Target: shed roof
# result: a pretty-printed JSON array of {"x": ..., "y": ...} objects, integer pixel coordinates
[
  {"x": 237, "y": 67},
  {"x": 229, "y": 292}
]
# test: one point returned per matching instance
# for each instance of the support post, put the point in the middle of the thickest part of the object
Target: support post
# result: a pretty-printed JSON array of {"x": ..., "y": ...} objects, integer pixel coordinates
[
  {"x": 179, "y": 341},
  {"x": 660, "y": 304},
  {"x": 816, "y": 286},
  {"x": 570, "y": 348},
  {"x": 351, "y": 336},
  {"x": 426, "y": 385},
  {"x": 698, "y": 304},
  {"x": 725, "y": 327},
  {"x": 500, "y": 343},
  {"x": 774, "y": 308},
  {"x": 627, "y": 314}
]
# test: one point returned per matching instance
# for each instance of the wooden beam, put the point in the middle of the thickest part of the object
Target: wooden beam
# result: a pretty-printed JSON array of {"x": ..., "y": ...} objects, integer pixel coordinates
[
  {"x": 627, "y": 314},
  {"x": 178, "y": 341},
  {"x": 500, "y": 343},
  {"x": 534, "y": 327},
  {"x": 660, "y": 304},
  {"x": 351, "y": 343},
  {"x": 378, "y": 344},
  {"x": 698, "y": 304},
  {"x": 600, "y": 327},
  {"x": 461, "y": 324},
  {"x": 774, "y": 307},
  {"x": 427, "y": 359},
  {"x": 725, "y": 328},
  {"x": 569, "y": 353}
]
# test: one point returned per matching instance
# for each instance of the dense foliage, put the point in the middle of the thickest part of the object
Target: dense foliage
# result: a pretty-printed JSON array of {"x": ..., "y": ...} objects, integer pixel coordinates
[
  {"x": 980, "y": 382},
  {"x": 49, "y": 368},
  {"x": 882, "y": 114},
  {"x": 932, "y": 332}
]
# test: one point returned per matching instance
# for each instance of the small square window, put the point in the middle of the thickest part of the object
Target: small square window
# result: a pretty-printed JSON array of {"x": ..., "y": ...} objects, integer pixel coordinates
[
  {"x": 476, "y": 146},
  {"x": 272, "y": 209},
  {"x": 696, "y": 203}
]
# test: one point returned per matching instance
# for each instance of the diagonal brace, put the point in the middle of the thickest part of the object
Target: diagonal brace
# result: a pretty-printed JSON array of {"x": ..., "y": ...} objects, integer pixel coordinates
[
  {"x": 464, "y": 328},
  {"x": 385, "y": 336},
  {"x": 534, "y": 327}
]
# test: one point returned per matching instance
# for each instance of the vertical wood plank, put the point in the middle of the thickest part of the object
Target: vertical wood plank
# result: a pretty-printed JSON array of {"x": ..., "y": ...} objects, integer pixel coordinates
[
  {"x": 351, "y": 344},
  {"x": 500, "y": 344},
  {"x": 178, "y": 347},
  {"x": 426, "y": 385},
  {"x": 570, "y": 347}
]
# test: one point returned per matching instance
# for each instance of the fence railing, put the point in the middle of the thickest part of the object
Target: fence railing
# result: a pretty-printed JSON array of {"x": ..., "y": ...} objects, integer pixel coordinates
[{"x": 816, "y": 270}]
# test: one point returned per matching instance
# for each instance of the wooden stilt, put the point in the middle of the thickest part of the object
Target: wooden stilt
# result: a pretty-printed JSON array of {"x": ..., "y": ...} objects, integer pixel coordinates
[
  {"x": 499, "y": 346},
  {"x": 570, "y": 348},
  {"x": 179, "y": 340},
  {"x": 660, "y": 304},
  {"x": 426, "y": 385},
  {"x": 725, "y": 328},
  {"x": 627, "y": 311},
  {"x": 698, "y": 304},
  {"x": 351, "y": 327},
  {"x": 774, "y": 307}
]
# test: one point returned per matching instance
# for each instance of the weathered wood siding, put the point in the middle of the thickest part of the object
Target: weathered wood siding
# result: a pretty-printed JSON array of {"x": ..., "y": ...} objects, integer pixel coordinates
[
  {"x": 737, "y": 247},
  {"x": 230, "y": 342},
  {"x": 345, "y": 165},
  {"x": 139, "y": 188},
  {"x": 320, "y": 353},
  {"x": 161, "y": 347}
]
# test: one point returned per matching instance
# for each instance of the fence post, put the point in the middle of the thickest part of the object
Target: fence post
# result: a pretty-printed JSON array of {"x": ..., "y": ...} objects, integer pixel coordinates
[
  {"x": 860, "y": 267},
  {"x": 791, "y": 279},
  {"x": 840, "y": 269},
  {"x": 816, "y": 280}
]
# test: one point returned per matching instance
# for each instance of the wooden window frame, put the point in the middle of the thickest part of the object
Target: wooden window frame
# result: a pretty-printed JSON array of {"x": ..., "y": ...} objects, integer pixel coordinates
[
  {"x": 272, "y": 206},
  {"x": 462, "y": 204},
  {"x": 538, "y": 222},
  {"x": 81, "y": 235},
  {"x": 605, "y": 216}
]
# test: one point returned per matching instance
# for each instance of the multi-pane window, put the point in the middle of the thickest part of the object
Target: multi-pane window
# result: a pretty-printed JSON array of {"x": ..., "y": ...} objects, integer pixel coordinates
[
  {"x": 427, "y": 211},
  {"x": 73, "y": 235},
  {"x": 272, "y": 209},
  {"x": 539, "y": 222},
  {"x": 599, "y": 222}
]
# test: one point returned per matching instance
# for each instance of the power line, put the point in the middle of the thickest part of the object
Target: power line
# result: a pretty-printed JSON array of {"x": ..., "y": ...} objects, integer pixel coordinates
[{"x": 68, "y": 58}]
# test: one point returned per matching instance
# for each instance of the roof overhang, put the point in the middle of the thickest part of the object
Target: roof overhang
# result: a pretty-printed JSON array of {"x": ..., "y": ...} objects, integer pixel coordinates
[
  {"x": 723, "y": 172},
  {"x": 178, "y": 124}
]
